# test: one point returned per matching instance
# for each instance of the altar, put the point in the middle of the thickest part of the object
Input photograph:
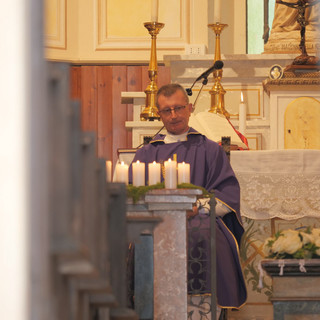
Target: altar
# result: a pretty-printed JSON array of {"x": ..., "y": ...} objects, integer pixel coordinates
[{"x": 266, "y": 100}]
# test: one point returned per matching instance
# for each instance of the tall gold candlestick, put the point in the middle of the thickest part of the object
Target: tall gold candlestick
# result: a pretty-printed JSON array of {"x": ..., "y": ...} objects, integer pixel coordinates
[
  {"x": 217, "y": 92},
  {"x": 150, "y": 111}
]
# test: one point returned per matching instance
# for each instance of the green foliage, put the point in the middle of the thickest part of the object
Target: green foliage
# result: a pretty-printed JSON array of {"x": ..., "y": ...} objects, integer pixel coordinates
[
  {"x": 308, "y": 251},
  {"x": 205, "y": 193},
  {"x": 247, "y": 239},
  {"x": 250, "y": 270},
  {"x": 136, "y": 193}
]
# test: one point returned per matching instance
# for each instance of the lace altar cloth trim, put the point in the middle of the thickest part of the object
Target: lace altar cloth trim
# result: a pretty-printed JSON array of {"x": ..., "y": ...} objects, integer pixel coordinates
[
  {"x": 280, "y": 183},
  {"x": 285, "y": 196}
]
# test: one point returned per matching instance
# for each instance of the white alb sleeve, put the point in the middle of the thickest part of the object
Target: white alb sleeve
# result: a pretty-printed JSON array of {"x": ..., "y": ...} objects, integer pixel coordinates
[{"x": 204, "y": 207}]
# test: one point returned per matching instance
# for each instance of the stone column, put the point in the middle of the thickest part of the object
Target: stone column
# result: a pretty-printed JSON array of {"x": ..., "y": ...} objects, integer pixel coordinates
[{"x": 169, "y": 249}]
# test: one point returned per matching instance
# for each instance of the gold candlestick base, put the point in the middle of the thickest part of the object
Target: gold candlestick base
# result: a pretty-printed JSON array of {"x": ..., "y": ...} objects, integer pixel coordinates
[
  {"x": 217, "y": 92},
  {"x": 150, "y": 112},
  {"x": 217, "y": 97}
]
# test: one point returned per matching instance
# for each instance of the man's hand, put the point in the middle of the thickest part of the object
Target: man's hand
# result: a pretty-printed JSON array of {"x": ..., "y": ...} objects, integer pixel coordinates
[
  {"x": 234, "y": 147},
  {"x": 192, "y": 213}
]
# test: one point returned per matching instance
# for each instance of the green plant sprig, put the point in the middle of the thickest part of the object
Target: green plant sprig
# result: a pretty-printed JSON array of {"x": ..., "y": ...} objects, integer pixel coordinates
[{"x": 136, "y": 193}]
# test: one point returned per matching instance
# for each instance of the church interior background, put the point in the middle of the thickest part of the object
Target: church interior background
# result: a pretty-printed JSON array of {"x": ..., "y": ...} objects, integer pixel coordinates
[{"x": 93, "y": 65}]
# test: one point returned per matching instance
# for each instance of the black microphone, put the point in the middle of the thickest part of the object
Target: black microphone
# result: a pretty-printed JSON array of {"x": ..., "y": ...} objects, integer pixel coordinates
[
  {"x": 189, "y": 91},
  {"x": 217, "y": 65}
]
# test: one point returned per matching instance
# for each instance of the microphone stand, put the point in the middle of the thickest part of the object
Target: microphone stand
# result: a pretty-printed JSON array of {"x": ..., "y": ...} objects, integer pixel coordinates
[
  {"x": 204, "y": 82},
  {"x": 217, "y": 66}
]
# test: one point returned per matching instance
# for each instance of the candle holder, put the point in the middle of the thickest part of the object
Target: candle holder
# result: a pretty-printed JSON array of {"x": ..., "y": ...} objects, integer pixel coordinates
[
  {"x": 150, "y": 112},
  {"x": 217, "y": 92}
]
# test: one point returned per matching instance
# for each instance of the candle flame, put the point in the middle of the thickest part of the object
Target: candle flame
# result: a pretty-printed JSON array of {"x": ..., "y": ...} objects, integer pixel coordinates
[
  {"x": 122, "y": 163},
  {"x": 154, "y": 162},
  {"x": 241, "y": 97},
  {"x": 138, "y": 161},
  {"x": 169, "y": 159}
]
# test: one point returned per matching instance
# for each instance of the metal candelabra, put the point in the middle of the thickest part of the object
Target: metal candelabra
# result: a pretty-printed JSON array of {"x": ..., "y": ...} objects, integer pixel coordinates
[
  {"x": 150, "y": 110},
  {"x": 217, "y": 92}
]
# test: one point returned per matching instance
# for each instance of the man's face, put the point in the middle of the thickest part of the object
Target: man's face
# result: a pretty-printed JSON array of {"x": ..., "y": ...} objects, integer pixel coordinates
[{"x": 175, "y": 122}]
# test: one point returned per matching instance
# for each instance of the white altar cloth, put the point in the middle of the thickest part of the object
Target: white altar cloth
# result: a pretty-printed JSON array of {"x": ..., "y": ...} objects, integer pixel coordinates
[{"x": 278, "y": 183}]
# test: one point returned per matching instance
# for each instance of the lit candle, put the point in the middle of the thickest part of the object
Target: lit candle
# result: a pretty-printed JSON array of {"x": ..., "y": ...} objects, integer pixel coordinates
[
  {"x": 154, "y": 173},
  {"x": 138, "y": 174},
  {"x": 216, "y": 11},
  {"x": 170, "y": 174},
  {"x": 183, "y": 172},
  {"x": 242, "y": 116},
  {"x": 108, "y": 170},
  {"x": 122, "y": 172},
  {"x": 154, "y": 11}
]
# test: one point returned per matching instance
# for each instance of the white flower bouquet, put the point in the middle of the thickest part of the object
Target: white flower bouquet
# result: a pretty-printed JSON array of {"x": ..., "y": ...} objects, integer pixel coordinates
[{"x": 293, "y": 244}]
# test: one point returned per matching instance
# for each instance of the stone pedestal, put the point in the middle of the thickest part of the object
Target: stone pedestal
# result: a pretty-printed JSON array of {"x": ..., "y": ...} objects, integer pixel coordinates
[
  {"x": 169, "y": 248},
  {"x": 296, "y": 288}
]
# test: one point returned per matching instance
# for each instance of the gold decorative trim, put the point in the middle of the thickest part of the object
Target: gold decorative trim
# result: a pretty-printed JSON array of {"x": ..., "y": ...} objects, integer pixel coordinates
[
  {"x": 310, "y": 84},
  {"x": 249, "y": 115},
  {"x": 254, "y": 141}
]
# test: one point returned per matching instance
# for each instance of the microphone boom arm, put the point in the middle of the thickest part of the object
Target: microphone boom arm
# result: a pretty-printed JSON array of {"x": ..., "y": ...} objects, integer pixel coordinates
[{"x": 217, "y": 65}]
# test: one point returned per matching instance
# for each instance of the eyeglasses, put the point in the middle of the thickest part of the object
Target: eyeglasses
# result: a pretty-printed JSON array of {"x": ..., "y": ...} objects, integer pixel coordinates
[{"x": 167, "y": 111}]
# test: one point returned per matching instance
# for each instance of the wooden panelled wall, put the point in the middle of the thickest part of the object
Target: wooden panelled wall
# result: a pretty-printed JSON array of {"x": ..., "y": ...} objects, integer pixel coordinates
[{"x": 99, "y": 90}]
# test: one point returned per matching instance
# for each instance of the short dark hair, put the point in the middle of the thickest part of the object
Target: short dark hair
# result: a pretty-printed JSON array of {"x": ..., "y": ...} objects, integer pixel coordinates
[{"x": 169, "y": 89}]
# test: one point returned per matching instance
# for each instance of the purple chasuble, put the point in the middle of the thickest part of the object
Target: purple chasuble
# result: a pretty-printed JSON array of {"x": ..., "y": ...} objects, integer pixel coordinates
[{"x": 209, "y": 168}]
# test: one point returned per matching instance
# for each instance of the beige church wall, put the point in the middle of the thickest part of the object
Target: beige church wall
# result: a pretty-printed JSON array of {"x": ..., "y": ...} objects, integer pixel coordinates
[
  {"x": 61, "y": 30},
  {"x": 55, "y": 28},
  {"x": 233, "y": 37},
  {"x": 120, "y": 31},
  {"x": 112, "y": 31},
  {"x": 239, "y": 29}
]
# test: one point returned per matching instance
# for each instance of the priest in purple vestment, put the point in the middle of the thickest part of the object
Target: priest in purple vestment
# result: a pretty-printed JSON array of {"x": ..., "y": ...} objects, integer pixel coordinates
[{"x": 209, "y": 168}]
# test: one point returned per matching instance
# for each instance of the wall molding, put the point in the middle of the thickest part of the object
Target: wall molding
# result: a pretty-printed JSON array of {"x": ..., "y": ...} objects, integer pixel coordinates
[
  {"x": 104, "y": 41},
  {"x": 56, "y": 12}
]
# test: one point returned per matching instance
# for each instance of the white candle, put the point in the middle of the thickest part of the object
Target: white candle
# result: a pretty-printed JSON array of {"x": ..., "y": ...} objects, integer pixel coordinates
[
  {"x": 122, "y": 172},
  {"x": 138, "y": 174},
  {"x": 154, "y": 173},
  {"x": 216, "y": 11},
  {"x": 242, "y": 116},
  {"x": 183, "y": 172},
  {"x": 154, "y": 11},
  {"x": 108, "y": 171},
  {"x": 170, "y": 174}
]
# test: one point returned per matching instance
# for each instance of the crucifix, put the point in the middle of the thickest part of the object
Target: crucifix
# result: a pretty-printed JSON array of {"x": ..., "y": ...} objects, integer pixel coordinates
[{"x": 301, "y": 6}]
